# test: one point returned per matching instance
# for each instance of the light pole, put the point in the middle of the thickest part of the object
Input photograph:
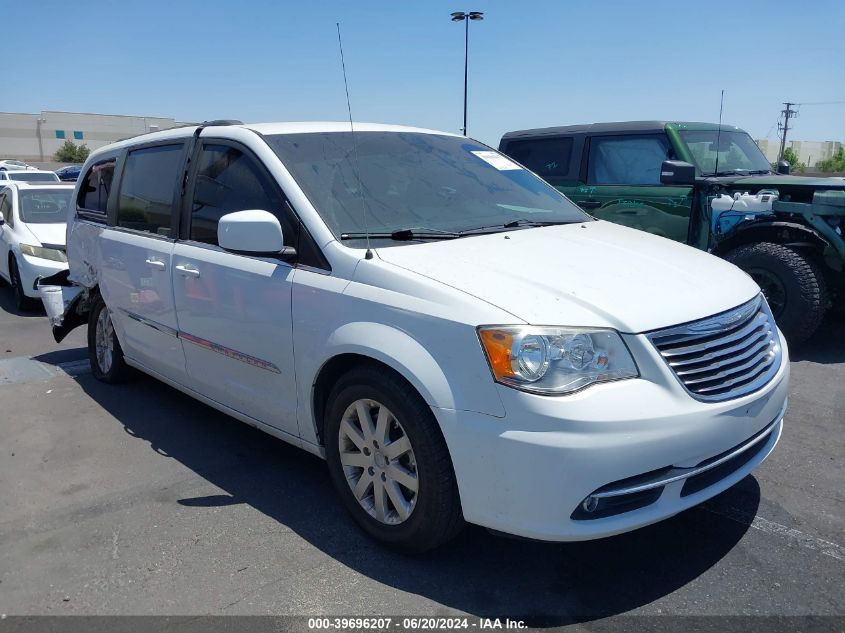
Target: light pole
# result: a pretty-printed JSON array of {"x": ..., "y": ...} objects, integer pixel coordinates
[{"x": 459, "y": 16}]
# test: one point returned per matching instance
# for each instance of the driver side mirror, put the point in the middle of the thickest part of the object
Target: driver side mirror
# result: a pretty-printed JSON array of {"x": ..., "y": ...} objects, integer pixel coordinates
[
  {"x": 783, "y": 167},
  {"x": 677, "y": 172},
  {"x": 253, "y": 232}
]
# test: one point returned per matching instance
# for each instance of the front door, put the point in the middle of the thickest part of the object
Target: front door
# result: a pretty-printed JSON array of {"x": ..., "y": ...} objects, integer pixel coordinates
[
  {"x": 234, "y": 311},
  {"x": 135, "y": 278},
  {"x": 623, "y": 186}
]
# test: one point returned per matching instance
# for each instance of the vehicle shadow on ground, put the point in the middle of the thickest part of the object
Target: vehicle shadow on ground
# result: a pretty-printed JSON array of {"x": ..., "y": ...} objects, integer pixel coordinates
[
  {"x": 826, "y": 346},
  {"x": 7, "y": 303},
  {"x": 478, "y": 573}
]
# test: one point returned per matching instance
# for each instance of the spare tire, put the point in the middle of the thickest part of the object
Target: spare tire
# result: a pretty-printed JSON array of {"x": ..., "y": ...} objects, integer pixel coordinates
[{"x": 793, "y": 285}]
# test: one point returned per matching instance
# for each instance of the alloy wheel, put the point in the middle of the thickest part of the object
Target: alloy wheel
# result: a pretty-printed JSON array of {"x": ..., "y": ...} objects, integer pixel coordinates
[
  {"x": 104, "y": 341},
  {"x": 378, "y": 461}
]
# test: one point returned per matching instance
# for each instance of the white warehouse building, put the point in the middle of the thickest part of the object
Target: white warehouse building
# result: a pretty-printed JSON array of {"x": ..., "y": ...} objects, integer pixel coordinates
[
  {"x": 808, "y": 152},
  {"x": 36, "y": 137}
]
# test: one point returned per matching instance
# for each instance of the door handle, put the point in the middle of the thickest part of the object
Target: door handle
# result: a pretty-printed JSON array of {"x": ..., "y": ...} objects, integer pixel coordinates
[
  {"x": 155, "y": 263},
  {"x": 188, "y": 270},
  {"x": 589, "y": 204}
]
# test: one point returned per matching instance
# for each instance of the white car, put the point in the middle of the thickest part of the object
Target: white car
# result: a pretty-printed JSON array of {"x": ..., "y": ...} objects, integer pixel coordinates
[
  {"x": 456, "y": 338},
  {"x": 32, "y": 235},
  {"x": 13, "y": 164},
  {"x": 27, "y": 175}
]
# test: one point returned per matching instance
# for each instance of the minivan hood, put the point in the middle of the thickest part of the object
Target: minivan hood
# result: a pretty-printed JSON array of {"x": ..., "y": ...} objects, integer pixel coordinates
[
  {"x": 53, "y": 234},
  {"x": 595, "y": 274}
]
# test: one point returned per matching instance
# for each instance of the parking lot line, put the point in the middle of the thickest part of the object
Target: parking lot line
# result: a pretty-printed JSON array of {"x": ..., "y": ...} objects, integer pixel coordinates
[{"x": 764, "y": 525}]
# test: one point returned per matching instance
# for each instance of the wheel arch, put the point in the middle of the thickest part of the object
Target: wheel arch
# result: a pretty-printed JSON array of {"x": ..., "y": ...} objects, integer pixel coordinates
[
  {"x": 406, "y": 358},
  {"x": 792, "y": 234}
]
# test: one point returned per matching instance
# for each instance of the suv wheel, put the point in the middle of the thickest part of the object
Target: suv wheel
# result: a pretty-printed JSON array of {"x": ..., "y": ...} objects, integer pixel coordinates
[
  {"x": 104, "y": 352},
  {"x": 792, "y": 284},
  {"x": 22, "y": 302},
  {"x": 389, "y": 461}
]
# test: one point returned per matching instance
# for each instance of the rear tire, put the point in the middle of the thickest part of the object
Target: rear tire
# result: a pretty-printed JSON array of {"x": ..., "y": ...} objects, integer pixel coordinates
[
  {"x": 419, "y": 476},
  {"x": 793, "y": 285},
  {"x": 104, "y": 351}
]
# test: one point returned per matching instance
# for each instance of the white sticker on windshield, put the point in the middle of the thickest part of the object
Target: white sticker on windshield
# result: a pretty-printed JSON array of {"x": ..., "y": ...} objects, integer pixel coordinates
[{"x": 502, "y": 163}]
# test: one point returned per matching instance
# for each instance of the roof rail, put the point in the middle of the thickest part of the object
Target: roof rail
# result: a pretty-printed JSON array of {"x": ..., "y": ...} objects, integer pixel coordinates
[{"x": 218, "y": 122}]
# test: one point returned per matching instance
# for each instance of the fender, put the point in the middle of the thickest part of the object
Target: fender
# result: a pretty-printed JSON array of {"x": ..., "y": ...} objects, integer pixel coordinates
[
  {"x": 776, "y": 230},
  {"x": 405, "y": 355},
  {"x": 397, "y": 350}
]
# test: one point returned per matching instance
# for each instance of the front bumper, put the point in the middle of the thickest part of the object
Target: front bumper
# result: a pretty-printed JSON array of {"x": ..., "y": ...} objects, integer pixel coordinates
[
  {"x": 529, "y": 473},
  {"x": 32, "y": 269}
]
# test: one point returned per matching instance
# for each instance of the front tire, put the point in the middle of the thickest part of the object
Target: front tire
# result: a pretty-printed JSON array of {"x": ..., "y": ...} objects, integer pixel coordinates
[
  {"x": 22, "y": 302},
  {"x": 389, "y": 462},
  {"x": 104, "y": 351},
  {"x": 793, "y": 285}
]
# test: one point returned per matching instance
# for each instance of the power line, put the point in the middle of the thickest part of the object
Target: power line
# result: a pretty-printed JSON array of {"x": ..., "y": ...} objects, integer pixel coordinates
[{"x": 812, "y": 103}]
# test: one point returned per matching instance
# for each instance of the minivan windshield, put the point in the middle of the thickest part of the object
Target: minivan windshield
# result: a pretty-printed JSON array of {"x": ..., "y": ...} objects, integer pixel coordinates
[
  {"x": 736, "y": 150},
  {"x": 416, "y": 182},
  {"x": 44, "y": 206}
]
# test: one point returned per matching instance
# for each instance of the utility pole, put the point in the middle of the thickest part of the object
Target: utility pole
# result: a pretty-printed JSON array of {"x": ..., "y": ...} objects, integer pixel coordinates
[
  {"x": 787, "y": 113},
  {"x": 459, "y": 16}
]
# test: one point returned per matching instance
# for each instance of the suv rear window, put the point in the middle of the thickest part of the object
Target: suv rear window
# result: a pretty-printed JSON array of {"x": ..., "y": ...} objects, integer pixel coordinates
[
  {"x": 547, "y": 157},
  {"x": 147, "y": 188},
  {"x": 95, "y": 189}
]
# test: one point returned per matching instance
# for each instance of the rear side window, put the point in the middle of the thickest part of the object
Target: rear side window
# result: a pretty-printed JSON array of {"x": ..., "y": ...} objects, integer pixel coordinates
[
  {"x": 627, "y": 160},
  {"x": 228, "y": 180},
  {"x": 95, "y": 189},
  {"x": 549, "y": 158},
  {"x": 148, "y": 187}
]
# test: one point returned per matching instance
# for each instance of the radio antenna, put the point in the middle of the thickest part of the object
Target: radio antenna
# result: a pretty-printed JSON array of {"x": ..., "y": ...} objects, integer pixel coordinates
[
  {"x": 719, "y": 134},
  {"x": 369, "y": 253}
]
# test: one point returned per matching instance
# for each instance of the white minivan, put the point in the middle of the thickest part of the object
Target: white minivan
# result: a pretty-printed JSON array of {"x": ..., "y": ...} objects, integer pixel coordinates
[{"x": 457, "y": 339}]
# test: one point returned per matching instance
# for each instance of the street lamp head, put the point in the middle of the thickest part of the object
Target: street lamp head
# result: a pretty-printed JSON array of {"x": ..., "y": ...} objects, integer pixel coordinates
[
  {"x": 458, "y": 16},
  {"x": 476, "y": 15}
]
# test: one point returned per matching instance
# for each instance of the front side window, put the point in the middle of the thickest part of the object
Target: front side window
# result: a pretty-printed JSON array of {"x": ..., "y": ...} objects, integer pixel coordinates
[
  {"x": 44, "y": 206},
  {"x": 95, "y": 189},
  {"x": 148, "y": 187},
  {"x": 389, "y": 181},
  {"x": 547, "y": 157},
  {"x": 737, "y": 152},
  {"x": 627, "y": 160},
  {"x": 228, "y": 180}
]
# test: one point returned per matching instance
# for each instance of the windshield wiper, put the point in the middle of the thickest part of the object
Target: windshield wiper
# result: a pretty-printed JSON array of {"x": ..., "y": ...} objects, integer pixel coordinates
[
  {"x": 424, "y": 233},
  {"x": 515, "y": 224},
  {"x": 404, "y": 235},
  {"x": 733, "y": 172}
]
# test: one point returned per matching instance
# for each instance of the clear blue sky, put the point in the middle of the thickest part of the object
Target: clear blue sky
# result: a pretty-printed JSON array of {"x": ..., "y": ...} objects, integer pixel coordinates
[{"x": 531, "y": 63}]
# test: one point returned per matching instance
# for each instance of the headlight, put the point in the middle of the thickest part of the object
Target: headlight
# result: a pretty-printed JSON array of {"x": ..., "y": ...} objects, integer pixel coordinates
[
  {"x": 555, "y": 360},
  {"x": 44, "y": 253}
]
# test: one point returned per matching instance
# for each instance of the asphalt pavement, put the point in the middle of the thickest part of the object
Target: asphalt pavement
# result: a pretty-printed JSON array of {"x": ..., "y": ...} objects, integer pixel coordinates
[{"x": 136, "y": 499}]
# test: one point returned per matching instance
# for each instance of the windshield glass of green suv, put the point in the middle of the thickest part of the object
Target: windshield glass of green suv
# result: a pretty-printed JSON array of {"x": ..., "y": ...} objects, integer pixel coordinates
[
  {"x": 736, "y": 150},
  {"x": 416, "y": 181}
]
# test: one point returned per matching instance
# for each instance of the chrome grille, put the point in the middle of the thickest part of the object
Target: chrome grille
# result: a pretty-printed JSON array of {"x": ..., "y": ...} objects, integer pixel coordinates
[{"x": 724, "y": 356}]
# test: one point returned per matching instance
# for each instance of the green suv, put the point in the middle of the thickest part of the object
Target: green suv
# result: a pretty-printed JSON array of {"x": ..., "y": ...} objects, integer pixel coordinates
[{"x": 710, "y": 188}]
